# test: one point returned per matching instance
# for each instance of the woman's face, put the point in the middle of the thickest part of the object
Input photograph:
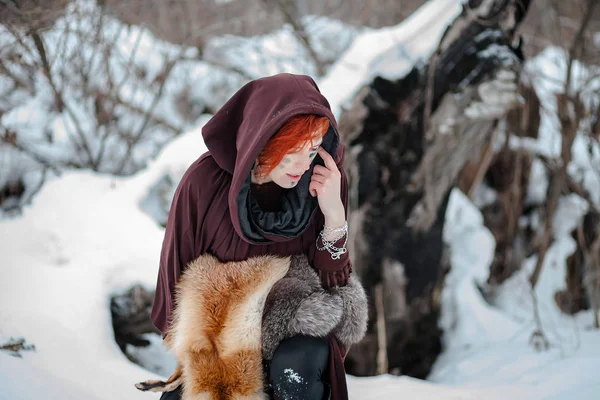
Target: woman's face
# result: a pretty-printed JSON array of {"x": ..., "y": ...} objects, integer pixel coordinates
[{"x": 288, "y": 172}]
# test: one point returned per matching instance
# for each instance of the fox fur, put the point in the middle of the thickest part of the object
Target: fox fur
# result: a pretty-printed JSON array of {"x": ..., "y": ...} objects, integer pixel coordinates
[
  {"x": 230, "y": 316},
  {"x": 215, "y": 334},
  {"x": 298, "y": 305}
]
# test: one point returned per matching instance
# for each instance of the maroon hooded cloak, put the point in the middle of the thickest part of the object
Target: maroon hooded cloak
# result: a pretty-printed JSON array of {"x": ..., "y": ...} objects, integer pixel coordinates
[{"x": 214, "y": 212}]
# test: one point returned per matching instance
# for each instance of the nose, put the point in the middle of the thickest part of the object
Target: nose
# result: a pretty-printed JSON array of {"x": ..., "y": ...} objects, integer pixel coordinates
[{"x": 304, "y": 163}]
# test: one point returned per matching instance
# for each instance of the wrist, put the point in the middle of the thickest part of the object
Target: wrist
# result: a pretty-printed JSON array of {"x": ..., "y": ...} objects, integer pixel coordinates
[
  {"x": 336, "y": 219},
  {"x": 333, "y": 233}
]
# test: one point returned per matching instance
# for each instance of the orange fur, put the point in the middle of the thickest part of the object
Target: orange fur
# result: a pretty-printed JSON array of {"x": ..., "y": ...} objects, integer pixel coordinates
[
  {"x": 169, "y": 385},
  {"x": 216, "y": 329}
]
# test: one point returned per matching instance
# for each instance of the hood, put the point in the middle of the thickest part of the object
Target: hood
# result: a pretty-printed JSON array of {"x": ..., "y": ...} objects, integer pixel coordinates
[{"x": 237, "y": 133}]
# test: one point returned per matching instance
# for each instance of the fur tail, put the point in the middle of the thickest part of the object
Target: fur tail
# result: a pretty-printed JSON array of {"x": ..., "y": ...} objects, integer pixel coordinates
[{"x": 159, "y": 386}]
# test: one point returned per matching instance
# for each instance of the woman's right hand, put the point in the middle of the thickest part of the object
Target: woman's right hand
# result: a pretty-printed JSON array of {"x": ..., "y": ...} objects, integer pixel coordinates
[{"x": 330, "y": 280}]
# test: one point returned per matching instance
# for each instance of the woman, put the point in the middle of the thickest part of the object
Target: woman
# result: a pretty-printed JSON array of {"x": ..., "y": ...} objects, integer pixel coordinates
[{"x": 271, "y": 183}]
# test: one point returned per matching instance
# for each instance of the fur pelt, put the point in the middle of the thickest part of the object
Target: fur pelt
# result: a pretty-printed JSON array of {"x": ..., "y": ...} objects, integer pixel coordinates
[
  {"x": 298, "y": 305},
  {"x": 215, "y": 334},
  {"x": 224, "y": 323}
]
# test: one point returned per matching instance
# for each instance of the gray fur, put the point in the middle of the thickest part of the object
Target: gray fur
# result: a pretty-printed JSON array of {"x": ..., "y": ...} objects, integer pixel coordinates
[
  {"x": 317, "y": 315},
  {"x": 297, "y": 304},
  {"x": 353, "y": 324}
]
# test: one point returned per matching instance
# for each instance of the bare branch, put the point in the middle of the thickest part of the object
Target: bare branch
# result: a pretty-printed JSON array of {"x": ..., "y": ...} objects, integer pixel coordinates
[
  {"x": 85, "y": 72},
  {"x": 301, "y": 35},
  {"x": 382, "y": 356},
  {"x": 129, "y": 64},
  {"x": 153, "y": 118},
  {"x": 147, "y": 116},
  {"x": 576, "y": 46},
  {"x": 19, "y": 82},
  {"x": 569, "y": 125},
  {"x": 570, "y": 113},
  {"x": 11, "y": 139},
  {"x": 593, "y": 256},
  {"x": 228, "y": 68},
  {"x": 62, "y": 105},
  {"x": 538, "y": 338},
  {"x": 35, "y": 190}
]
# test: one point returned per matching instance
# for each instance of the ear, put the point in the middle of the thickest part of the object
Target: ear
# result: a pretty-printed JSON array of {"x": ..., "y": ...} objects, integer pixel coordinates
[{"x": 255, "y": 173}]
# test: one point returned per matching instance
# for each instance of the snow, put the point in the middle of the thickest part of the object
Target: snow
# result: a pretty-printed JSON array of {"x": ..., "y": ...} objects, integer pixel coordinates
[
  {"x": 547, "y": 74},
  {"x": 155, "y": 357},
  {"x": 388, "y": 52},
  {"x": 487, "y": 343},
  {"x": 87, "y": 236},
  {"x": 29, "y": 382},
  {"x": 85, "y": 239},
  {"x": 292, "y": 375},
  {"x": 538, "y": 183},
  {"x": 130, "y": 69},
  {"x": 280, "y": 51}
]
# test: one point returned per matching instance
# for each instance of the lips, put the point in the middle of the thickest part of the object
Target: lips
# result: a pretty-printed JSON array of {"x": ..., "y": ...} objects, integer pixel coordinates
[{"x": 293, "y": 176}]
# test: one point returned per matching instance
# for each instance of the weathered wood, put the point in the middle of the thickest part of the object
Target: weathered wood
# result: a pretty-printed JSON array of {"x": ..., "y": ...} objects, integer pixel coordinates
[
  {"x": 14, "y": 346},
  {"x": 130, "y": 313},
  {"x": 400, "y": 172}
]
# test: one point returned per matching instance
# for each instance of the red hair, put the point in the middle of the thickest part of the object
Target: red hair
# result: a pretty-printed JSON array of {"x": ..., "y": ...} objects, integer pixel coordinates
[{"x": 291, "y": 137}]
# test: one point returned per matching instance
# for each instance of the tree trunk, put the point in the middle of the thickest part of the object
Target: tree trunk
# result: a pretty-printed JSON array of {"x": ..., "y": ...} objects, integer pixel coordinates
[{"x": 408, "y": 140}]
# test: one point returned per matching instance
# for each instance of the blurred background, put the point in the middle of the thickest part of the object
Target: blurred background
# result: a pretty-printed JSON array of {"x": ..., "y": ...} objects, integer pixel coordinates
[{"x": 472, "y": 134}]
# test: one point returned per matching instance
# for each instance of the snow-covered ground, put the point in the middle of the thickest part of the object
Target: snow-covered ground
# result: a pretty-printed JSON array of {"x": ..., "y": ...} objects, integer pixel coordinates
[{"x": 88, "y": 236}]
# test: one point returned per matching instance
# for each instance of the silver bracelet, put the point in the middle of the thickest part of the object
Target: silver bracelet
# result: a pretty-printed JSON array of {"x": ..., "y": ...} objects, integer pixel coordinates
[
  {"x": 327, "y": 229},
  {"x": 329, "y": 245}
]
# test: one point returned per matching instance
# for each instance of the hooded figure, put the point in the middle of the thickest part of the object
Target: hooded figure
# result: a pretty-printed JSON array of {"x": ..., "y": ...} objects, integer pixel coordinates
[{"x": 219, "y": 209}]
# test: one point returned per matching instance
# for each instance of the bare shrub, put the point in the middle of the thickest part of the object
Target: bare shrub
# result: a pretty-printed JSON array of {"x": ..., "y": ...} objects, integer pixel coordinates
[{"x": 195, "y": 22}]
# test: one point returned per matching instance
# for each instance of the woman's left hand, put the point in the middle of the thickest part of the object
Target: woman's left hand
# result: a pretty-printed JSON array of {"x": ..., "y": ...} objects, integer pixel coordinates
[{"x": 325, "y": 184}]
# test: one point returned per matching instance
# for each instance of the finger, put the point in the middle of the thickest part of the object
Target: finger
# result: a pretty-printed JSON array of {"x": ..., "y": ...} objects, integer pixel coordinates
[
  {"x": 318, "y": 178},
  {"x": 314, "y": 188},
  {"x": 324, "y": 277},
  {"x": 339, "y": 277},
  {"x": 333, "y": 281},
  {"x": 329, "y": 163},
  {"x": 343, "y": 278},
  {"x": 329, "y": 281},
  {"x": 321, "y": 170}
]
